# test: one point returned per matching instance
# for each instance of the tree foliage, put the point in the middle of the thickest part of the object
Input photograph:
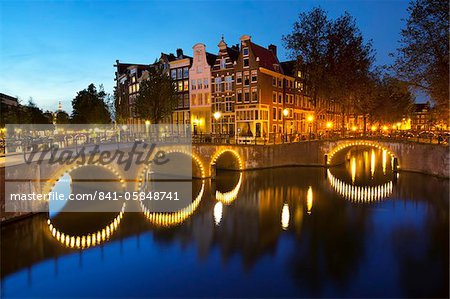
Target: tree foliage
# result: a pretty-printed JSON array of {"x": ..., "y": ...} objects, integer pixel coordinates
[
  {"x": 337, "y": 59},
  {"x": 89, "y": 106},
  {"x": 423, "y": 57},
  {"x": 157, "y": 96}
]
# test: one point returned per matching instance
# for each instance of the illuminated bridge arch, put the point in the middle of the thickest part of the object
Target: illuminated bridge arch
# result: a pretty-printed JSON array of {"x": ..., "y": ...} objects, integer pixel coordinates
[
  {"x": 360, "y": 194},
  {"x": 58, "y": 174},
  {"x": 221, "y": 151},
  {"x": 347, "y": 144}
]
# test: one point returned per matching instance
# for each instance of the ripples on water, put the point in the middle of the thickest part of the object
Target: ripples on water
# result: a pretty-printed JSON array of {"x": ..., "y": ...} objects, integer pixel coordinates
[{"x": 357, "y": 230}]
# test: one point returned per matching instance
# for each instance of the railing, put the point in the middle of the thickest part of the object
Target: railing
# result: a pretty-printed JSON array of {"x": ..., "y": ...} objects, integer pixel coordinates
[{"x": 18, "y": 144}]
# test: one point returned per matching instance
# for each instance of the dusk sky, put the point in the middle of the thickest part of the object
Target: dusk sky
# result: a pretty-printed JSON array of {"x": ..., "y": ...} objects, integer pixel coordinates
[{"x": 52, "y": 49}]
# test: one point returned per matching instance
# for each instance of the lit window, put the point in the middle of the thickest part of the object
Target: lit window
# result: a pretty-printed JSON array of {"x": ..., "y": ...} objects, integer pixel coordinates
[
  {"x": 254, "y": 75},
  {"x": 239, "y": 95},
  {"x": 186, "y": 85},
  {"x": 180, "y": 85},
  {"x": 254, "y": 95},
  {"x": 246, "y": 79},
  {"x": 228, "y": 83},
  {"x": 239, "y": 78}
]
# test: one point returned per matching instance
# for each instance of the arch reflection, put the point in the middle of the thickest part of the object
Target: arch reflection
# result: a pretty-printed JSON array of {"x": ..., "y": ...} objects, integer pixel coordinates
[
  {"x": 230, "y": 196},
  {"x": 86, "y": 240},
  {"x": 174, "y": 218},
  {"x": 360, "y": 194}
]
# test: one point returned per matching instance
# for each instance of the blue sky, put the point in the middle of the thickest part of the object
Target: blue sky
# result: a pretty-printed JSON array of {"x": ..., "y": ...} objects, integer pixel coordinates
[{"x": 52, "y": 49}]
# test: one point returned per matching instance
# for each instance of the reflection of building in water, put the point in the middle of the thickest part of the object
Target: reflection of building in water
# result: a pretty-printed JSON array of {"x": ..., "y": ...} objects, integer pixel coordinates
[
  {"x": 88, "y": 240},
  {"x": 362, "y": 194},
  {"x": 309, "y": 200}
]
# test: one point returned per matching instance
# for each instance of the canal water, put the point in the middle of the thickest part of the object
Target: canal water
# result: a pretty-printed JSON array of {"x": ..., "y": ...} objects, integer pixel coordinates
[{"x": 357, "y": 230}]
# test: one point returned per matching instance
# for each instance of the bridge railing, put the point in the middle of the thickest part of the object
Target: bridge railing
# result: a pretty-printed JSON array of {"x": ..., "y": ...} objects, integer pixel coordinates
[{"x": 19, "y": 145}]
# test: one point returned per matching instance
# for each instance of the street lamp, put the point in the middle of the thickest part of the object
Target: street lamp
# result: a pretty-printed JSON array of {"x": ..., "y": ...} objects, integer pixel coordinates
[
  {"x": 329, "y": 126},
  {"x": 217, "y": 116},
  {"x": 310, "y": 119},
  {"x": 285, "y": 114}
]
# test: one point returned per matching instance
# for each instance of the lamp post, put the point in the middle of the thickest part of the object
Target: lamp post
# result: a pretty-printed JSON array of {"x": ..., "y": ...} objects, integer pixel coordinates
[
  {"x": 285, "y": 114},
  {"x": 217, "y": 115},
  {"x": 310, "y": 119},
  {"x": 329, "y": 126}
]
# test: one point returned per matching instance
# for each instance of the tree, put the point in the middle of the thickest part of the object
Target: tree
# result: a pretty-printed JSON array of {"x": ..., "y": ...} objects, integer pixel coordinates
[
  {"x": 62, "y": 118},
  {"x": 35, "y": 114},
  {"x": 392, "y": 100},
  {"x": 157, "y": 96},
  {"x": 308, "y": 43},
  {"x": 423, "y": 57},
  {"x": 89, "y": 106},
  {"x": 337, "y": 59}
]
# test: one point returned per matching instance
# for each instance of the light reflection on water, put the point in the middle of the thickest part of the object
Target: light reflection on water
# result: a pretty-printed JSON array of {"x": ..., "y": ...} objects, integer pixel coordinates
[{"x": 290, "y": 232}]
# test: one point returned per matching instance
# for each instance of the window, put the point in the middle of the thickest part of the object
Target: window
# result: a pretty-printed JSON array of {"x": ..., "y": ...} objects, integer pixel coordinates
[
  {"x": 254, "y": 95},
  {"x": 207, "y": 99},
  {"x": 228, "y": 83},
  {"x": 228, "y": 104},
  {"x": 222, "y": 63},
  {"x": 180, "y": 85},
  {"x": 279, "y": 82},
  {"x": 245, "y": 51},
  {"x": 238, "y": 78},
  {"x": 274, "y": 81},
  {"x": 186, "y": 85},
  {"x": 254, "y": 75},
  {"x": 186, "y": 100},
  {"x": 246, "y": 63},
  {"x": 274, "y": 113},
  {"x": 246, "y": 97},
  {"x": 279, "y": 114},
  {"x": 199, "y": 70},
  {"x": 280, "y": 98},
  {"x": 274, "y": 128},
  {"x": 133, "y": 79},
  {"x": 200, "y": 99},
  {"x": 173, "y": 74},
  {"x": 138, "y": 87},
  {"x": 246, "y": 79},
  {"x": 286, "y": 98},
  {"x": 194, "y": 99},
  {"x": 239, "y": 95},
  {"x": 179, "y": 73},
  {"x": 199, "y": 83},
  {"x": 274, "y": 97},
  {"x": 206, "y": 83},
  {"x": 218, "y": 84},
  {"x": 185, "y": 72},
  {"x": 299, "y": 74}
]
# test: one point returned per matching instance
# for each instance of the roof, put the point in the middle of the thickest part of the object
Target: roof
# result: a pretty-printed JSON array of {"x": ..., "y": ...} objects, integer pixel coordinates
[
  {"x": 211, "y": 58},
  {"x": 420, "y": 107},
  {"x": 233, "y": 53},
  {"x": 267, "y": 59},
  {"x": 289, "y": 67},
  {"x": 123, "y": 67}
]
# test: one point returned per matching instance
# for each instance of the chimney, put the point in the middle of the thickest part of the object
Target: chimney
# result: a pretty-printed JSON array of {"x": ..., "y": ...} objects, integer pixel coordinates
[
  {"x": 273, "y": 48},
  {"x": 179, "y": 52}
]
